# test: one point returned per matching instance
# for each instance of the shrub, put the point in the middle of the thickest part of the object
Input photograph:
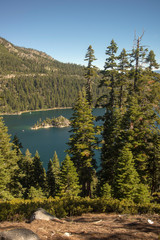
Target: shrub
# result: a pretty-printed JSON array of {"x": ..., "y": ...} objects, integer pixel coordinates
[{"x": 19, "y": 209}]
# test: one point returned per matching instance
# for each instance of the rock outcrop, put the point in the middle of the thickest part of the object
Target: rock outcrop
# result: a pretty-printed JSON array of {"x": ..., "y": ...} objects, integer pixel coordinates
[
  {"x": 42, "y": 214},
  {"x": 18, "y": 234}
]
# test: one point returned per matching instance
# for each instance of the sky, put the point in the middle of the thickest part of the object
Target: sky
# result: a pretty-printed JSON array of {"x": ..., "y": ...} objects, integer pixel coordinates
[{"x": 65, "y": 28}]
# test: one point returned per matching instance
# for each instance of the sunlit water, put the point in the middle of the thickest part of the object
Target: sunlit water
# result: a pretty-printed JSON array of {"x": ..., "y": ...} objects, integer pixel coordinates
[{"x": 46, "y": 141}]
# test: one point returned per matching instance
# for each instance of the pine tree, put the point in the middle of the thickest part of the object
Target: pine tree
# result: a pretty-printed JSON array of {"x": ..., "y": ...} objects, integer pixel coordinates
[
  {"x": 82, "y": 142},
  {"x": 39, "y": 173},
  {"x": 53, "y": 176},
  {"x": 137, "y": 59},
  {"x": 110, "y": 63},
  {"x": 18, "y": 189},
  {"x": 105, "y": 190},
  {"x": 111, "y": 143},
  {"x": 127, "y": 181},
  {"x": 123, "y": 81},
  {"x": 17, "y": 144},
  {"x": 132, "y": 132},
  {"x": 117, "y": 83},
  {"x": 110, "y": 72},
  {"x": 90, "y": 73},
  {"x": 35, "y": 193},
  {"x": 112, "y": 116},
  {"x": 27, "y": 177},
  {"x": 154, "y": 164},
  {"x": 50, "y": 178},
  {"x": 4, "y": 179},
  {"x": 126, "y": 176},
  {"x": 151, "y": 60},
  {"x": 69, "y": 178},
  {"x": 8, "y": 162}
]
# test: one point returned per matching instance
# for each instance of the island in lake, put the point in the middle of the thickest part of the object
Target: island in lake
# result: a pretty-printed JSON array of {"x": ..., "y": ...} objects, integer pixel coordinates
[{"x": 59, "y": 122}]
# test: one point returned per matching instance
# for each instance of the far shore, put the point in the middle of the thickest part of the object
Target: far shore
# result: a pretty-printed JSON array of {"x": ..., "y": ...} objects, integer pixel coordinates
[{"x": 38, "y": 110}]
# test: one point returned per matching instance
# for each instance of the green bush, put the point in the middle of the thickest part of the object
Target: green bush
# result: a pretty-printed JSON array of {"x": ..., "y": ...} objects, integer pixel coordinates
[{"x": 18, "y": 209}]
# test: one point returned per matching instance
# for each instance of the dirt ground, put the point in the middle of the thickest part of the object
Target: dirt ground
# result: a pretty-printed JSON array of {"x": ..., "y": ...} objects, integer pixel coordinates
[{"x": 94, "y": 227}]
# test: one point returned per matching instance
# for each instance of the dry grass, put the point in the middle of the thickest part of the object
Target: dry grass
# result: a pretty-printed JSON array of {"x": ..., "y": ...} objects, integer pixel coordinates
[{"x": 94, "y": 227}]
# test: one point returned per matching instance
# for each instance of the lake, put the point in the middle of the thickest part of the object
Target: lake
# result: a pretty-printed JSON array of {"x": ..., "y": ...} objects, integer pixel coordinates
[{"x": 46, "y": 141}]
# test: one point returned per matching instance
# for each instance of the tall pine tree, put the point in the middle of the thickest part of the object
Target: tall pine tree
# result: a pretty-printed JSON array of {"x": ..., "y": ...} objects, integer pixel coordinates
[
  {"x": 39, "y": 173},
  {"x": 82, "y": 142},
  {"x": 90, "y": 73},
  {"x": 112, "y": 116},
  {"x": 27, "y": 177},
  {"x": 8, "y": 163},
  {"x": 53, "y": 176},
  {"x": 123, "y": 80}
]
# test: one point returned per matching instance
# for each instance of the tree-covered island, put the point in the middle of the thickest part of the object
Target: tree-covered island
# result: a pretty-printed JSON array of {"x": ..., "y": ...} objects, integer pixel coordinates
[{"x": 59, "y": 122}]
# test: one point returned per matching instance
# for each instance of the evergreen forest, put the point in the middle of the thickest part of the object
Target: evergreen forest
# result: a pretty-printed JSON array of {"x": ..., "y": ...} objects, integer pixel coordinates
[
  {"x": 129, "y": 90},
  {"x": 32, "y": 80}
]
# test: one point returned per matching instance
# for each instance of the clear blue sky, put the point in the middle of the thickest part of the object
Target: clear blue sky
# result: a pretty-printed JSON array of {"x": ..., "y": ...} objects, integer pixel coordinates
[{"x": 65, "y": 28}]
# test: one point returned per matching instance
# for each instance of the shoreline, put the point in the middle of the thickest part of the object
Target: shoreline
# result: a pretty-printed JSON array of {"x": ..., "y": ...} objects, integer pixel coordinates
[
  {"x": 30, "y": 111},
  {"x": 45, "y": 127}
]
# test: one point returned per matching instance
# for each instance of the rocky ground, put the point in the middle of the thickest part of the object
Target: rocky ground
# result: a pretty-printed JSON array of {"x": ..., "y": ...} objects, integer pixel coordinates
[{"x": 94, "y": 227}]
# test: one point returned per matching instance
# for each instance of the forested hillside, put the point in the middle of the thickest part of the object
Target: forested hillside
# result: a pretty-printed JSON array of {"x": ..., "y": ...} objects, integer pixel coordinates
[{"x": 30, "y": 80}]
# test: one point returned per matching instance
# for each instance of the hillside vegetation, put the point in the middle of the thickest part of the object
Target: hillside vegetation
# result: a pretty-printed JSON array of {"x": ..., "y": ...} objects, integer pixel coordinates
[{"x": 31, "y": 80}]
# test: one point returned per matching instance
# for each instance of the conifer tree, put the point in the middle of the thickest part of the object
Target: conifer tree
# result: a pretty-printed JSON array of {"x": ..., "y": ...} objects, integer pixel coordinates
[
  {"x": 112, "y": 116},
  {"x": 151, "y": 60},
  {"x": 123, "y": 81},
  {"x": 8, "y": 162},
  {"x": 53, "y": 176},
  {"x": 4, "y": 179},
  {"x": 127, "y": 181},
  {"x": 50, "y": 178},
  {"x": 17, "y": 144},
  {"x": 126, "y": 176},
  {"x": 110, "y": 68},
  {"x": 131, "y": 133},
  {"x": 69, "y": 178},
  {"x": 110, "y": 63},
  {"x": 104, "y": 190},
  {"x": 18, "y": 189},
  {"x": 154, "y": 164},
  {"x": 90, "y": 73},
  {"x": 109, "y": 79},
  {"x": 35, "y": 193},
  {"x": 137, "y": 59},
  {"x": 39, "y": 173},
  {"x": 82, "y": 142},
  {"x": 27, "y": 177},
  {"x": 111, "y": 143}
]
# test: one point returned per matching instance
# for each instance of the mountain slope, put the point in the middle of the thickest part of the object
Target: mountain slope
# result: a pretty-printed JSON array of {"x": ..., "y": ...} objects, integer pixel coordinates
[
  {"x": 31, "y": 80},
  {"x": 18, "y": 59}
]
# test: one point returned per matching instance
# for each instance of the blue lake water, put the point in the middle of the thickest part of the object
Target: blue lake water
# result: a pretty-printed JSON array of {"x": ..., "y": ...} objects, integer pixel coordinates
[{"x": 46, "y": 141}]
